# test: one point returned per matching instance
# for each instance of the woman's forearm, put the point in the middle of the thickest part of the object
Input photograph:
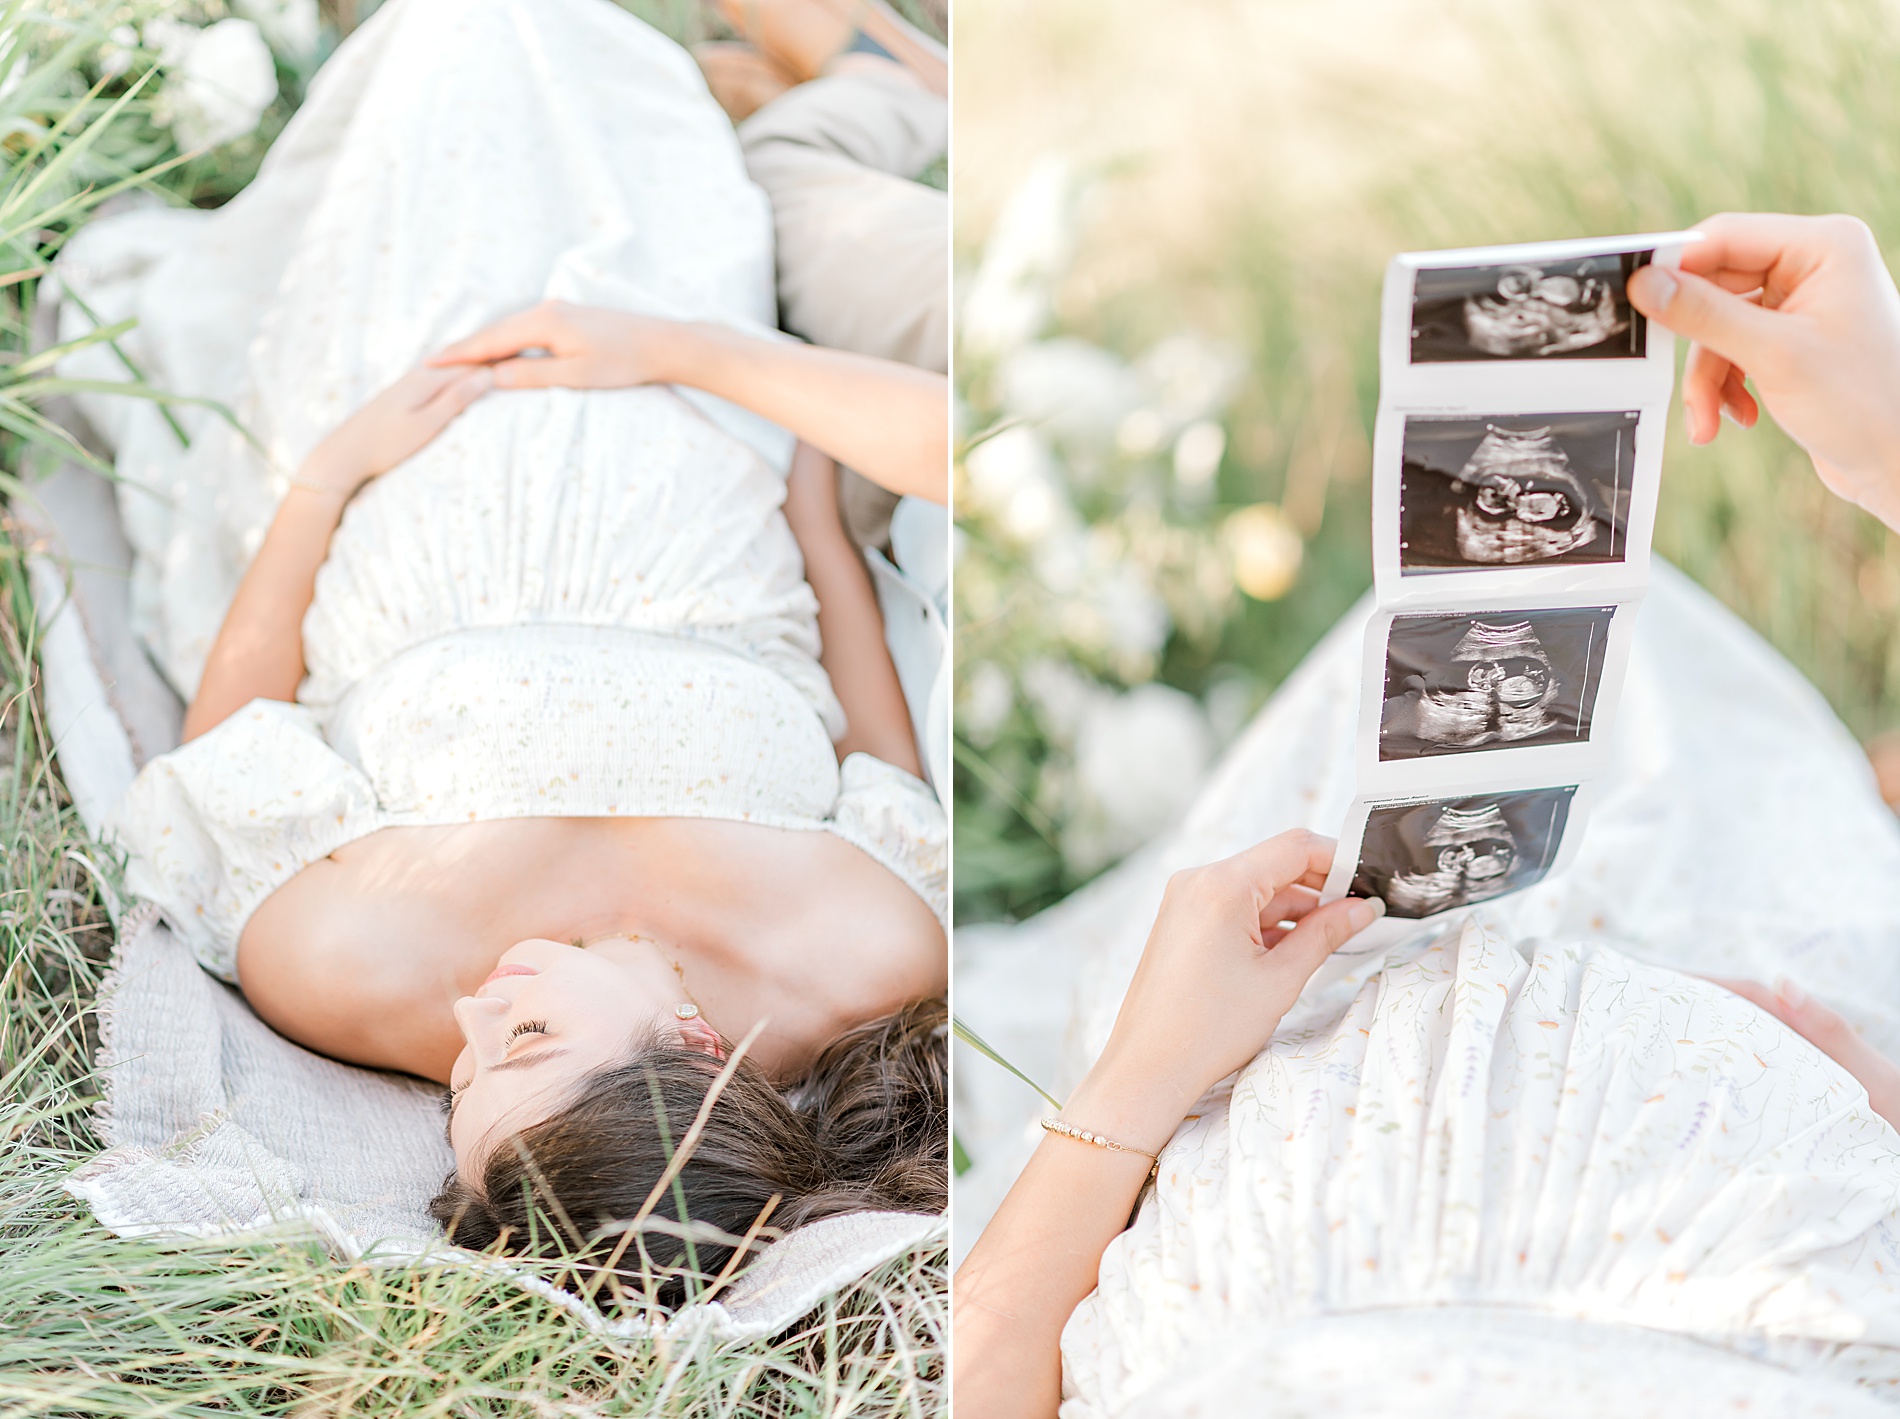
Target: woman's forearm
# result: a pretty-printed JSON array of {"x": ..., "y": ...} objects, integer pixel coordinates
[
  {"x": 259, "y": 650},
  {"x": 1042, "y": 1251},
  {"x": 1213, "y": 984},
  {"x": 850, "y": 626},
  {"x": 887, "y": 421}
]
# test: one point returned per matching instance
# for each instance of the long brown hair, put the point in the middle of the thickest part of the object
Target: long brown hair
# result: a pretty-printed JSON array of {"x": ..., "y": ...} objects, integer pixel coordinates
[{"x": 866, "y": 1128}]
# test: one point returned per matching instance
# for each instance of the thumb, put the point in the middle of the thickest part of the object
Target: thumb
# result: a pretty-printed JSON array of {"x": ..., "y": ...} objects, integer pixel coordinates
[
  {"x": 1321, "y": 932},
  {"x": 1735, "y": 328}
]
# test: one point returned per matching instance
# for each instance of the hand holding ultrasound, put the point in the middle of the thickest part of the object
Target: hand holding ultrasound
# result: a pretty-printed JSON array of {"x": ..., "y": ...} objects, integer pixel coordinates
[{"x": 1515, "y": 471}]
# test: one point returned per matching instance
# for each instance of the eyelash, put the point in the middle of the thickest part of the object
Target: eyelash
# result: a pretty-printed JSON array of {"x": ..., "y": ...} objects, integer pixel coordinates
[{"x": 526, "y": 1027}]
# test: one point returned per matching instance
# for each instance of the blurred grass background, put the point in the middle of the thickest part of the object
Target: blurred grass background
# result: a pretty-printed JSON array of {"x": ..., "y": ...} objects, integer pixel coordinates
[{"x": 1250, "y": 166}]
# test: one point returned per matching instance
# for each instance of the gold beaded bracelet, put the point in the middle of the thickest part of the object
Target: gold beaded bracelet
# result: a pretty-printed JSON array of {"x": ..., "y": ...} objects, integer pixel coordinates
[
  {"x": 325, "y": 489},
  {"x": 1082, "y": 1135}
]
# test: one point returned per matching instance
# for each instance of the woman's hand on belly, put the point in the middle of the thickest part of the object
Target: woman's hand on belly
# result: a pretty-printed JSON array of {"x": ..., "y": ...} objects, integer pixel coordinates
[
  {"x": 394, "y": 426},
  {"x": 580, "y": 347},
  {"x": 1828, "y": 1031},
  {"x": 258, "y": 653},
  {"x": 887, "y": 421}
]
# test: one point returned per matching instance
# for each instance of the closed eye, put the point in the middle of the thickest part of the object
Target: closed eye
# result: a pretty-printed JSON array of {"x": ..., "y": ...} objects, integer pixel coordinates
[{"x": 528, "y": 1027}]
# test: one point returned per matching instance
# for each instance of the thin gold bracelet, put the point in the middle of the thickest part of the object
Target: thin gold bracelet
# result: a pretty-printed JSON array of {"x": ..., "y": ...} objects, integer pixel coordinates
[
  {"x": 1082, "y": 1135},
  {"x": 310, "y": 487}
]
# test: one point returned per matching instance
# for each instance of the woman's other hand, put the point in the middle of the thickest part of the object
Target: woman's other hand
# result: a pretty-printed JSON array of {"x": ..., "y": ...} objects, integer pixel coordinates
[
  {"x": 1805, "y": 308},
  {"x": 393, "y": 426},
  {"x": 258, "y": 652},
  {"x": 1828, "y": 1031},
  {"x": 586, "y": 348},
  {"x": 1232, "y": 947}
]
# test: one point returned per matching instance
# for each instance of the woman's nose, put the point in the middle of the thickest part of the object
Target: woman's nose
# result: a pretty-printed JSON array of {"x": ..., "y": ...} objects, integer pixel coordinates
[{"x": 482, "y": 1019}]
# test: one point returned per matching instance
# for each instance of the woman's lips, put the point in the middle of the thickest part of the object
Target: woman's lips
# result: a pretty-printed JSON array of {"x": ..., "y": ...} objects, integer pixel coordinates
[{"x": 508, "y": 970}]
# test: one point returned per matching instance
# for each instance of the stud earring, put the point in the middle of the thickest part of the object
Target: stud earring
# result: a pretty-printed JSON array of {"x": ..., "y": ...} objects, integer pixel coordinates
[{"x": 686, "y": 1011}]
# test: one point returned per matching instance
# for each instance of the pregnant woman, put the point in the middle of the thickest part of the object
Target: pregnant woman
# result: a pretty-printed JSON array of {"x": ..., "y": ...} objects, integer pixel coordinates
[
  {"x": 1533, "y": 1161},
  {"x": 515, "y": 763}
]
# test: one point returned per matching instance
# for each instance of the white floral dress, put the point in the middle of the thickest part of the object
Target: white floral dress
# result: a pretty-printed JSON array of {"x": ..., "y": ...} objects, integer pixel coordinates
[
  {"x": 1528, "y": 1163},
  {"x": 571, "y": 603}
]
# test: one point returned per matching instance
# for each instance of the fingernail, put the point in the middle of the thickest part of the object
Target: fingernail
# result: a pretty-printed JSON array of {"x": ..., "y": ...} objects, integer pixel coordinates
[
  {"x": 1790, "y": 994},
  {"x": 1656, "y": 287},
  {"x": 1364, "y": 913}
]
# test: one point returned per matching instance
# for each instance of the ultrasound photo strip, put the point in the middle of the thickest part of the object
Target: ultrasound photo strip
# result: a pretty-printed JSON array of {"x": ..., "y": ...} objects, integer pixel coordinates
[
  {"x": 1522, "y": 490},
  {"x": 1431, "y": 855},
  {"x": 1543, "y": 308},
  {"x": 1516, "y": 465}
]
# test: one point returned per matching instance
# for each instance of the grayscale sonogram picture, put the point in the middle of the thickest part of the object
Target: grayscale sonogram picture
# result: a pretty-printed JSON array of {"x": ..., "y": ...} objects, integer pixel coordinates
[
  {"x": 1576, "y": 309},
  {"x": 1426, "y": 858},
  {"x": 1459, "y": 683},
  {"x": 1514, "y": 491}
]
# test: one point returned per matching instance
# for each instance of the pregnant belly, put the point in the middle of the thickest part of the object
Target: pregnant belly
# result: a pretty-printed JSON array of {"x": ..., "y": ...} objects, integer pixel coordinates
[{"x": 604, "y": 507}]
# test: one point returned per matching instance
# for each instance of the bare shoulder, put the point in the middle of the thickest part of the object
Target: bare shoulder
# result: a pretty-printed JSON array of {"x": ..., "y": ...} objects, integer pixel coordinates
[
  {"x": 333, "y": 967},
  {"x": 830, "y": 904}
]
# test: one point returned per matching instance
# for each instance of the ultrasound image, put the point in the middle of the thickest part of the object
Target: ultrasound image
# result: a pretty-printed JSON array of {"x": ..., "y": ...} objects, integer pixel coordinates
[
  {"x": 1513, "y": 491},
  {"x": 1576, "y": 309},
  {"x": 1454, "y": 684},
  {"x": 1426, "y": 858}
]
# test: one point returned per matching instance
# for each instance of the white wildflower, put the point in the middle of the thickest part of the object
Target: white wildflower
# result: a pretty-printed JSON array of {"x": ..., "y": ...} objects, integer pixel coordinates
[
  {"x": 1197, "y": 454},
  {"x": 1061, "y": 560},
  {"x": 1009, "y": 299},
  {"x": 1189, "y": 378},
  {"x": 1140, "y": 758},
  {"x": 1013, "y": 475},
  {"x": 1141, "y": 433},
  {"x": 1075, "y": 391},
  {"x": 989, "y": 696},
  {"x": 288, "y": 26},
  {"x": 1061, "y": 695},
  {"x": 220, "y": 79},
  {"x": 115, "y": 55}
]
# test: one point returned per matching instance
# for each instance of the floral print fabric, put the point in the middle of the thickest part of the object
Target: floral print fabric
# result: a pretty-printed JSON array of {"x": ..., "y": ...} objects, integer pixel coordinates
[{"x": 1539, "y": 1110}]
